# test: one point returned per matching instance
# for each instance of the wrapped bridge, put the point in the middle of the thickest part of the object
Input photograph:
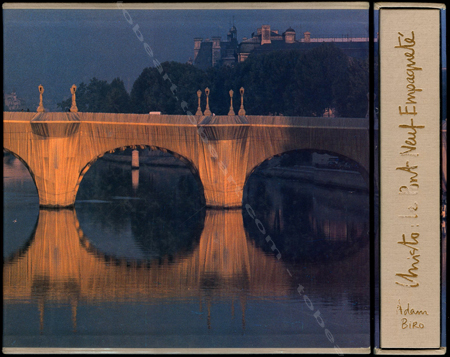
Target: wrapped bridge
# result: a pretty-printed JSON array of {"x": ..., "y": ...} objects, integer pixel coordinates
[{"x": 222, "y": 151}]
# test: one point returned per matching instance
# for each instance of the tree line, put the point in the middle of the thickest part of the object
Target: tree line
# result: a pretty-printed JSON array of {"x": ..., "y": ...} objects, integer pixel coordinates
[{"x": 291, "y": 83}]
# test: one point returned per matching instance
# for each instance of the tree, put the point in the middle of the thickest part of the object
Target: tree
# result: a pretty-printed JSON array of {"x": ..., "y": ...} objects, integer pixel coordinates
[
  {"x": 351, "y": 98},
  {"x": 296, "y": 83},
  {"x": 318, "y": 77},
  {"x": 292, "y": 83},
  {"x": 220, "y": 80},
  {"x": 100, "y": 97},
  {"x": 117, "y": 98},
  {"x": 164, "y": 92}
]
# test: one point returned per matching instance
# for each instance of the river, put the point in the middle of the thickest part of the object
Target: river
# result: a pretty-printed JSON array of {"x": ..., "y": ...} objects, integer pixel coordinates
[{"x": 141, "y": 262}]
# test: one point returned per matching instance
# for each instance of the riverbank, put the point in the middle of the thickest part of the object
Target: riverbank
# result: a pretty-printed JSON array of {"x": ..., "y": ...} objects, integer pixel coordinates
[{"x": 347, "y": 179}]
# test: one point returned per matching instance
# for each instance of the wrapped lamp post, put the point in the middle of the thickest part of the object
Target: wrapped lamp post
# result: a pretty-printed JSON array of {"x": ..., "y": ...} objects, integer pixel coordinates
[
  {"x": 73, "y": 108},
  {"x": 41, "y": 109},
  {"x": 199, "y": 109},
  {"x": 242, "y": 110},
  {"x": 207, "y": 111},
  {"x": 231, "y": 111}
]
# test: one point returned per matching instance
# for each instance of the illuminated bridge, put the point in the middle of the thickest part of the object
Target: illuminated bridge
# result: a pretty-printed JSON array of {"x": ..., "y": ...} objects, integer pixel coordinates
[{"x": 221, "y": 151}]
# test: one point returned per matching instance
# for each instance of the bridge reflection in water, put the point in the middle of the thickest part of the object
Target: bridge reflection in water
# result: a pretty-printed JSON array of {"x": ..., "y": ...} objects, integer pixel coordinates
[
  {"x": 61, "y": 266},
  {"x": 214, "y": 265}
]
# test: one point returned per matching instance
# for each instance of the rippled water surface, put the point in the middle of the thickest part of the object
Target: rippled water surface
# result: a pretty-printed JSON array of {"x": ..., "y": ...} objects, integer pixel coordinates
[{"x": 141, "y": 262}]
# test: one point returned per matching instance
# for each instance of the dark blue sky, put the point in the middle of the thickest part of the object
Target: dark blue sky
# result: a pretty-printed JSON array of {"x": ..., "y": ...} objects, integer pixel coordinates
[{"x": 58, "y": 48}]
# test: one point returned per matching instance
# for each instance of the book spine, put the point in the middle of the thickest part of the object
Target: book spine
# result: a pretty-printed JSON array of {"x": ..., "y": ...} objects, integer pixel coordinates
[{"x": 410, "y": 256}]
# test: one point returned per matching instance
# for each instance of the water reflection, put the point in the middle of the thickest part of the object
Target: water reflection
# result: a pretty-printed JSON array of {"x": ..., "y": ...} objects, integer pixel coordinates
[
  {"x": 159, "y": 176},
  {"x": 151, "y": 250},
  {"x": 59, "y": 266},
  {"x": 322, "y": 234},
  {"x": 307, "y": 221},
  {"x": 159, "y": 214},
  {"x": 20, "y": 205}
]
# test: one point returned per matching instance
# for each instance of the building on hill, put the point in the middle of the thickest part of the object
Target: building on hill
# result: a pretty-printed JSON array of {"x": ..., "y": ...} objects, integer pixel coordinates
[
  {"x": 215, "y": 52},
  {"x": 13, "y": 102}
]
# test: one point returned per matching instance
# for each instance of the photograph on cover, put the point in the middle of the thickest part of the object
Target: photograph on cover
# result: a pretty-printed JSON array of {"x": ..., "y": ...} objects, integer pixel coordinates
[{"x": 187, "y": 178}]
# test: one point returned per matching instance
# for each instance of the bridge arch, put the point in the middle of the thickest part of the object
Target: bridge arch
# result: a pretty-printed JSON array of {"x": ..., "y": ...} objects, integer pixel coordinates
[
  {"x": 189, "y": 164},
  {"x": 305, "y": 221},
  {"x": 354, "y": 163},
  {"x": 30, "y": 171}
]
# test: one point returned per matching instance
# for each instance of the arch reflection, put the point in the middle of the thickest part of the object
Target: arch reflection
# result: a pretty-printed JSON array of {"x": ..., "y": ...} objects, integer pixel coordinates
[
  {"x": 314, "y": 206},
  {"x": 20, "y": 204},
  {"x": 59, "y": 267},
  {"x": 322, "y": 234}
]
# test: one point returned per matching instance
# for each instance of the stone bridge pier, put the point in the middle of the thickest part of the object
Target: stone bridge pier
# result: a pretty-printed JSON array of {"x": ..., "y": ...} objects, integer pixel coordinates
[
  {"x": 223, "y": 160},
  {"x": 49, "y": 146}
]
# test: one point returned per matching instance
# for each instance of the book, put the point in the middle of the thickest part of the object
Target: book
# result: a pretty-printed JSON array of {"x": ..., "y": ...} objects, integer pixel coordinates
[
  {"x": 410, "y": 68},
  {"x": 224, "y": 178}
]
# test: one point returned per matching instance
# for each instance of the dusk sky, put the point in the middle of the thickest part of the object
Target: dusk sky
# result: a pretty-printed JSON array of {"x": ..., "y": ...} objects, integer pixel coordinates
[{"x": 58, "y": 48}]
